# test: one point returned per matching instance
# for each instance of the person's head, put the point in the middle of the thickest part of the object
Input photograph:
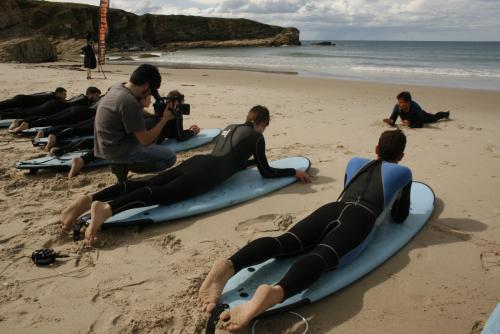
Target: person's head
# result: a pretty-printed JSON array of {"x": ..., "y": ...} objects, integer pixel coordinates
[
  {"x": 259, "y": 116},
  {"x": 174, "y": 98},
  {"x": 404, "y": 100},
  {"x": 60, "y": 93},
  {"x": 93, "y": 93},
  {"x": 146, "y": 78},
  {"x": 391, "y": 146}
]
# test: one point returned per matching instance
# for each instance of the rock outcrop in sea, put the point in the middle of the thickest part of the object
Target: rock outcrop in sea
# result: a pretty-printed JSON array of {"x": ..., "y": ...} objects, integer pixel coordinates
[{"x": 65, "y": 26}]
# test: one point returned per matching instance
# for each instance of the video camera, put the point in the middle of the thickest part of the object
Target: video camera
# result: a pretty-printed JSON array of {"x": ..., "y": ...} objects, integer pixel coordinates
[{"x": 161, "y": 102}]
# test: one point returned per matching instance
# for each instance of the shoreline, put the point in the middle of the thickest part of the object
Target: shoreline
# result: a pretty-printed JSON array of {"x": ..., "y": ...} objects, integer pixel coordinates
[
  {"x": 445, "y": 280},
  {"x": 299, "y": 74}
]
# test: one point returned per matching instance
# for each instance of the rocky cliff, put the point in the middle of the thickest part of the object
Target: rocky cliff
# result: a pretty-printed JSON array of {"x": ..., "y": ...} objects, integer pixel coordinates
[{"x": 67, "y": 21}]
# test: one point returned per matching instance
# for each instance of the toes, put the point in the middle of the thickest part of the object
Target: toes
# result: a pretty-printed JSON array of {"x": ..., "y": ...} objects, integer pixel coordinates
[
  {"x": 209, "y": 307},
  {"x": 225, "y": 316}
]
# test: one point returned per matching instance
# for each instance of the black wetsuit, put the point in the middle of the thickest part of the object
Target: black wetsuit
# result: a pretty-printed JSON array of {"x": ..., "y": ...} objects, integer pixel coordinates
[
  {"x": 48, "y": 108},
  {"x": 336, "y": 232},
  {"x": 416, "y": 115},
  {"x": 26, "y": 101},
  {"x": 89, "y": 60},
  {"x": 198, "y": 174},
  {"x": 83, "y": 129},
  {"x": 174, "y": 129},
  {"x": 68, "y": 116}
]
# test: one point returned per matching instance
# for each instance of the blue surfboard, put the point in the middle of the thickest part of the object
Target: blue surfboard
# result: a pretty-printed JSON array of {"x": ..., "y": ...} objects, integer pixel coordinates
[
  {"x": 5, "y": 123},
  {"x": 64, "y": 162},
  {"x": 387, "y": 240},
  {"x": 31, "y": 131},
  {"x": 242, "y": 186},
  {"x": 493, "y": 324}
]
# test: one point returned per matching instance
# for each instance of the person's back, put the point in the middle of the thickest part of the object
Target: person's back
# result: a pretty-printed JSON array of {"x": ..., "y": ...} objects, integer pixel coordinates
[
  {"x": 235, "y": 146},
  {"x": 114, "y": 138},
  {"x": 374, "y": 184},
  {"x": 26, "y": 101}
]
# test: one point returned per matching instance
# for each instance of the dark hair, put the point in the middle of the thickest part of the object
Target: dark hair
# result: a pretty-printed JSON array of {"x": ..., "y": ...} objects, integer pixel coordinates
[
  {"x": 92, "y": 90},
  {"x": 60, "y": 90},
  {"x": 175, "y": 95},
  {"x": 391, "y": 144},
  {"x": 406, "y": 96},
  {"x": 259, "y": 115},
  {"x": 146, "y": 73}
]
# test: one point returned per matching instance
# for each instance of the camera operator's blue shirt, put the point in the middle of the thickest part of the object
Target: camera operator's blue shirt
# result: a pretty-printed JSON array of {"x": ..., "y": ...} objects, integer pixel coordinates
[{"x": 119, "y": 114}]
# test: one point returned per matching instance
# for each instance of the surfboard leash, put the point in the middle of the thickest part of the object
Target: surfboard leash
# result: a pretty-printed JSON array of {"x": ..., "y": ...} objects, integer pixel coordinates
[
  {"x": 214, "y": 317},
  {"x": 77, "y": 228}
]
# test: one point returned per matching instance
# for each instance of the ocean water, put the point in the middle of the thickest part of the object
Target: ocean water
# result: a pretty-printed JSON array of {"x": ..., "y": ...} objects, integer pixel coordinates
[{"x": 474, "y": 65}]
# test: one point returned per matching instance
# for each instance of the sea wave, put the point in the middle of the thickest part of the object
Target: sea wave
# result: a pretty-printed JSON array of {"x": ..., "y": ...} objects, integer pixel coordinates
[{"x": 454, "y": 72}]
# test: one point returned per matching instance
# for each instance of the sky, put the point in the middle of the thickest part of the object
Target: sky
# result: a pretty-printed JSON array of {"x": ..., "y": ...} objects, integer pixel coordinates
[{"x": 414, "y": 20}]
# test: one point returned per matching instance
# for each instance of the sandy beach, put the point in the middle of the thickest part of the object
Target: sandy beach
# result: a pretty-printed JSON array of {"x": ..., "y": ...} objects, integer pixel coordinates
[{"x": 446, "y": 280}]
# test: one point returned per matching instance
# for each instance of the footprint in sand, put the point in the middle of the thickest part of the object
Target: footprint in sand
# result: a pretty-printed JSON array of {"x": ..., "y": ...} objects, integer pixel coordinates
[
  {"x": 477, "y": 328},
  {"x": 493, "y": 149},
  {"x": 447, "y": 163},
  {"x": 168, "y": 243},
  {"x": 490, "y": 260},
  {"x": 265, "y": 223}
]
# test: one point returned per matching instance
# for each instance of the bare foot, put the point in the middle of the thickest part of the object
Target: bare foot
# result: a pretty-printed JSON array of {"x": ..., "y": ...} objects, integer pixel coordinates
[
  {"x": 14, "y": 125},
  {"x": 75, "y": 210},
  {"x": 214, "y": 283},
  {"x": 22, "y": 127},
  {"x": 77, "y": 164},
  {"x": 51, "y": 142},
  {"x": 99, "y": 211},
  {"x": 265, "y": 297}
]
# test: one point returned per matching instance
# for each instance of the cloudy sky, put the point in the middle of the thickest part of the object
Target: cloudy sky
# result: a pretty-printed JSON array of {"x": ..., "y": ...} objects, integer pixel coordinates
[{"x": 346, "y": 19}]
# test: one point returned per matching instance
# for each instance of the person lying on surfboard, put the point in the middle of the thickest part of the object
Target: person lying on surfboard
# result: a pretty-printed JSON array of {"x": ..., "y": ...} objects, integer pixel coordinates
[
  {"x": 330, "y": 236},
  {"x": 198, "y": 174}
]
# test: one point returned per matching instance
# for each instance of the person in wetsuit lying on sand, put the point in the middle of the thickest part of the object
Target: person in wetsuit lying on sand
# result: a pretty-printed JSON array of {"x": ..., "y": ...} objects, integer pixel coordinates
[
  {"x": 412, "y": 115},
  {"x": 331, "y": 235},
  {"x": 198, "y": 174},
  {"x": 30, "y": 100},
  {"x": 80, "y": 109}
]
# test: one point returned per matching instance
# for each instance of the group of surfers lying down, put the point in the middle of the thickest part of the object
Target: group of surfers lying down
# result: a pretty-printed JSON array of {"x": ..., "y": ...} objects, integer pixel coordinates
[{"x": 324, "y": 238}]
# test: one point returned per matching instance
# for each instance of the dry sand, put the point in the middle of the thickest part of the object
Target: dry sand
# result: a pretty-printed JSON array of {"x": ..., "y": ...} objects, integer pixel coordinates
[{"x": 446, "y": 280}]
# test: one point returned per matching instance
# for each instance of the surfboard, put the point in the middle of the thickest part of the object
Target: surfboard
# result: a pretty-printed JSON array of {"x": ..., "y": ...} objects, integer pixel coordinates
[
  {"x": 5, "y": 123},
  {"x": 43, "y": 141},
  {"x": 64, "y": 162},
  {"x": 387, "y": 240},
  {"x": 32, "y": 131},
  {"x": 492, "y": 326},
  {"x": 242, "y": 186}
]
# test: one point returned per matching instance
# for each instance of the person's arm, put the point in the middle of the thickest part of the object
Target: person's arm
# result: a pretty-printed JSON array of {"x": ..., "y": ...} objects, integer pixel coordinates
[
  {"x": 148, "y": 137},
  {"x": 267, "y": 171},
  {"x": 401, "y": 207},
  {"x": 394, "y": 116}
]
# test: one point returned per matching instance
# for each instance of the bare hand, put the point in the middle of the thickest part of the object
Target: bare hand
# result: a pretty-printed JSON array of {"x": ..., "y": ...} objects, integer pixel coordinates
[
  {"x": 406, "y": 122},
  {"x": 388, "y": 121},
  {"x": 167, "y": 115},
  {"x": 303, "y": 176},
  {"x": 195, "y": 129}
]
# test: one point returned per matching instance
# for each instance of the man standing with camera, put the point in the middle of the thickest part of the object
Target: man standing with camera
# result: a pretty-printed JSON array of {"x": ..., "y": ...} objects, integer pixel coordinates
[{"x": 120, "y": 132}]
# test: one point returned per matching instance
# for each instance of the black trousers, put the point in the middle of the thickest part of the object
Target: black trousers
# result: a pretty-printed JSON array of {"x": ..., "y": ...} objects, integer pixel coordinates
[{"x": 325, "y": 236}]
